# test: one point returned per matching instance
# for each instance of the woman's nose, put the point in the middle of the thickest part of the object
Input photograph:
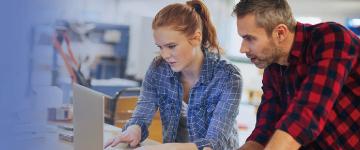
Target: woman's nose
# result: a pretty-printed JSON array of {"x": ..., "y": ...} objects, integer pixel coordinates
[{"x": 165, "y": 53}]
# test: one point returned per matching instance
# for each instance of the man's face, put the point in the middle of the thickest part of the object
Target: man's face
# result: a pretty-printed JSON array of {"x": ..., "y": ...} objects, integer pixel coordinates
[{"x": 256, "y": 44}]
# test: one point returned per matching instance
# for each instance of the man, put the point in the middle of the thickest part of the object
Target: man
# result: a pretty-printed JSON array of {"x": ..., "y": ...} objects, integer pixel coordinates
[{"x": 311, "y": 82}]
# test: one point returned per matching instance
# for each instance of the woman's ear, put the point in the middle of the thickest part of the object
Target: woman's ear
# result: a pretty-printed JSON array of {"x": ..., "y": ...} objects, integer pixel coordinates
[{"x": 196, "y": 38}]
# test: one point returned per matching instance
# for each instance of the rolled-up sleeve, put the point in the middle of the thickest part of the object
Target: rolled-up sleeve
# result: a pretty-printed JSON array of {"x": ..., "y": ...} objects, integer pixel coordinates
[
  {"x": 146, "y": 106},
  {"x": 224, "y": 115},
  {"x": 269, "y": 111}
]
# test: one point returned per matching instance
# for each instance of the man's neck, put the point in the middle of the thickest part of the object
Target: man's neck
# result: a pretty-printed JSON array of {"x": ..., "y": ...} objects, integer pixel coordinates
[{"x": 285, "y": 49}]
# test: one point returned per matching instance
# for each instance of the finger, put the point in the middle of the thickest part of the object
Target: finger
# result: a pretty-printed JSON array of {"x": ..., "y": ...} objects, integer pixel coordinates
[
  {"x": 120, "y": 139},
  {"x": 108, "y": 143},
  {"x": 207, "y": 148},
  {"x": 134, "y": 142}
]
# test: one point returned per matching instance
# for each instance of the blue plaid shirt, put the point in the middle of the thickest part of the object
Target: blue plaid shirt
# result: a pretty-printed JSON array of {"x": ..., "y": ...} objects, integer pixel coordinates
[{"x": 212, "y": 108}]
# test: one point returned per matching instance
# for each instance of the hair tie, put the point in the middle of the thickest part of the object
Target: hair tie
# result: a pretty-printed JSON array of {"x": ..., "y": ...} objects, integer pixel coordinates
[{"x": 197, "y": 8}]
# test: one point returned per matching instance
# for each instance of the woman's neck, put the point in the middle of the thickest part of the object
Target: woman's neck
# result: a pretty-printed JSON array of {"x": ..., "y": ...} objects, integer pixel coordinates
[{"x": 192, "y": 72}]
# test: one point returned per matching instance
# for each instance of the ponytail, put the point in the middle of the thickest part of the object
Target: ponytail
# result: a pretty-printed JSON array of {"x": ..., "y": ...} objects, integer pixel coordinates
[
  {"x": 187, "y": 19},
  {"x": 209, "y": 37}
]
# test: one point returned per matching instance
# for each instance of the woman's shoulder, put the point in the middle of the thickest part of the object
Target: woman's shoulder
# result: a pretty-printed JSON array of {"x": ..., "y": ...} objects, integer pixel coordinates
[
  {"x": 221, "y": 62},
  {"x": 225, "y": 66},
  {"x": 222, "y": 67}
]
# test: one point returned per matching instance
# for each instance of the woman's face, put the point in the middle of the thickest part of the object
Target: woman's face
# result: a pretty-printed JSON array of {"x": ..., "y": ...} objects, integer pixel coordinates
[{"x": 177, "y": 49}]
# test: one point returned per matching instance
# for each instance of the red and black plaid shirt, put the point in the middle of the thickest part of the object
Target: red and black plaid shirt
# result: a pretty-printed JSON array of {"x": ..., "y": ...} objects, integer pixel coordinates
[{"x": 316, "y": 99}]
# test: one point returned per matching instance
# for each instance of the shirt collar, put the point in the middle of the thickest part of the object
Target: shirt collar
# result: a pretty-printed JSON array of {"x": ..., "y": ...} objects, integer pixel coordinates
[
  {"x": 208, "y": 67},
  {"x": 298, "y": 45}
]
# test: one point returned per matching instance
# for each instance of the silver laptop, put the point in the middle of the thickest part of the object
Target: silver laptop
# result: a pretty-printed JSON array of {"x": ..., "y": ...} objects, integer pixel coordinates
[
  {"x": 89, "y": 121},
  {"x": 88, "y": 118}
]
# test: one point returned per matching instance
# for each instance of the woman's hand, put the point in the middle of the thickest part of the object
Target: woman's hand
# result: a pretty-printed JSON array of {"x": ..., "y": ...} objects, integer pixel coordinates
[
  {"x": 207, "y": 148},
  {"x": 131, "y": 136},
  {"x": 170, "y": 146}
]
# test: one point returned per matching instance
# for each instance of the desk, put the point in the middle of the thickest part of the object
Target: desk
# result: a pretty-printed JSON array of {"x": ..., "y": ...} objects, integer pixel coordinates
[{"x": 52, "y": 140}]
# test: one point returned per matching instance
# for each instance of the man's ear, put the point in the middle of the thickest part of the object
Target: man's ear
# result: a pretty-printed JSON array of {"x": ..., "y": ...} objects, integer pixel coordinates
[
  {"x": 280, "y": 33},
  {"x": 196, "y": 38}
]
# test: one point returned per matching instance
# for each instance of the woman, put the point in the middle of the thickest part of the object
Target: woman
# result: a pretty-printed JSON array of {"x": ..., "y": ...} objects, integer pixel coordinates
[{"x": 196, "y": 92}]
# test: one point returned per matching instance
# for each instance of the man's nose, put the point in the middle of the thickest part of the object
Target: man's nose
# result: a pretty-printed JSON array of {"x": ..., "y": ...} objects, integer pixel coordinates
[{"x": 244, "y": 48}]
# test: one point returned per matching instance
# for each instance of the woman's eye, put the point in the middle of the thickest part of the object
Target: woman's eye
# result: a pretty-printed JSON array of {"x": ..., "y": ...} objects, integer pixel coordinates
[{"x": 172, "y": 46}]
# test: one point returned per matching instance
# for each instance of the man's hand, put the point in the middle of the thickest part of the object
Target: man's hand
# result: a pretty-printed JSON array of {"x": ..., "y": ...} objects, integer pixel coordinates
[
  {"x": 282, "y": 141},
  {"x": 131, "y": 136},
  {"x": 251, "y": 145}
]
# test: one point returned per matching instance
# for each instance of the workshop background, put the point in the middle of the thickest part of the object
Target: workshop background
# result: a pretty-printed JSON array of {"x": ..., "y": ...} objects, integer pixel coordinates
[{"x": 44, "y": 41}]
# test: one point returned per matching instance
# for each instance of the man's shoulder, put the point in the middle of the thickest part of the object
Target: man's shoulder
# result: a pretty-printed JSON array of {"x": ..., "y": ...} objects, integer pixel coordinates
[
  {"x": 326, "y": 28},
  {"x": 327, "y": 24},
  {"x": 330, "y": 36}
]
